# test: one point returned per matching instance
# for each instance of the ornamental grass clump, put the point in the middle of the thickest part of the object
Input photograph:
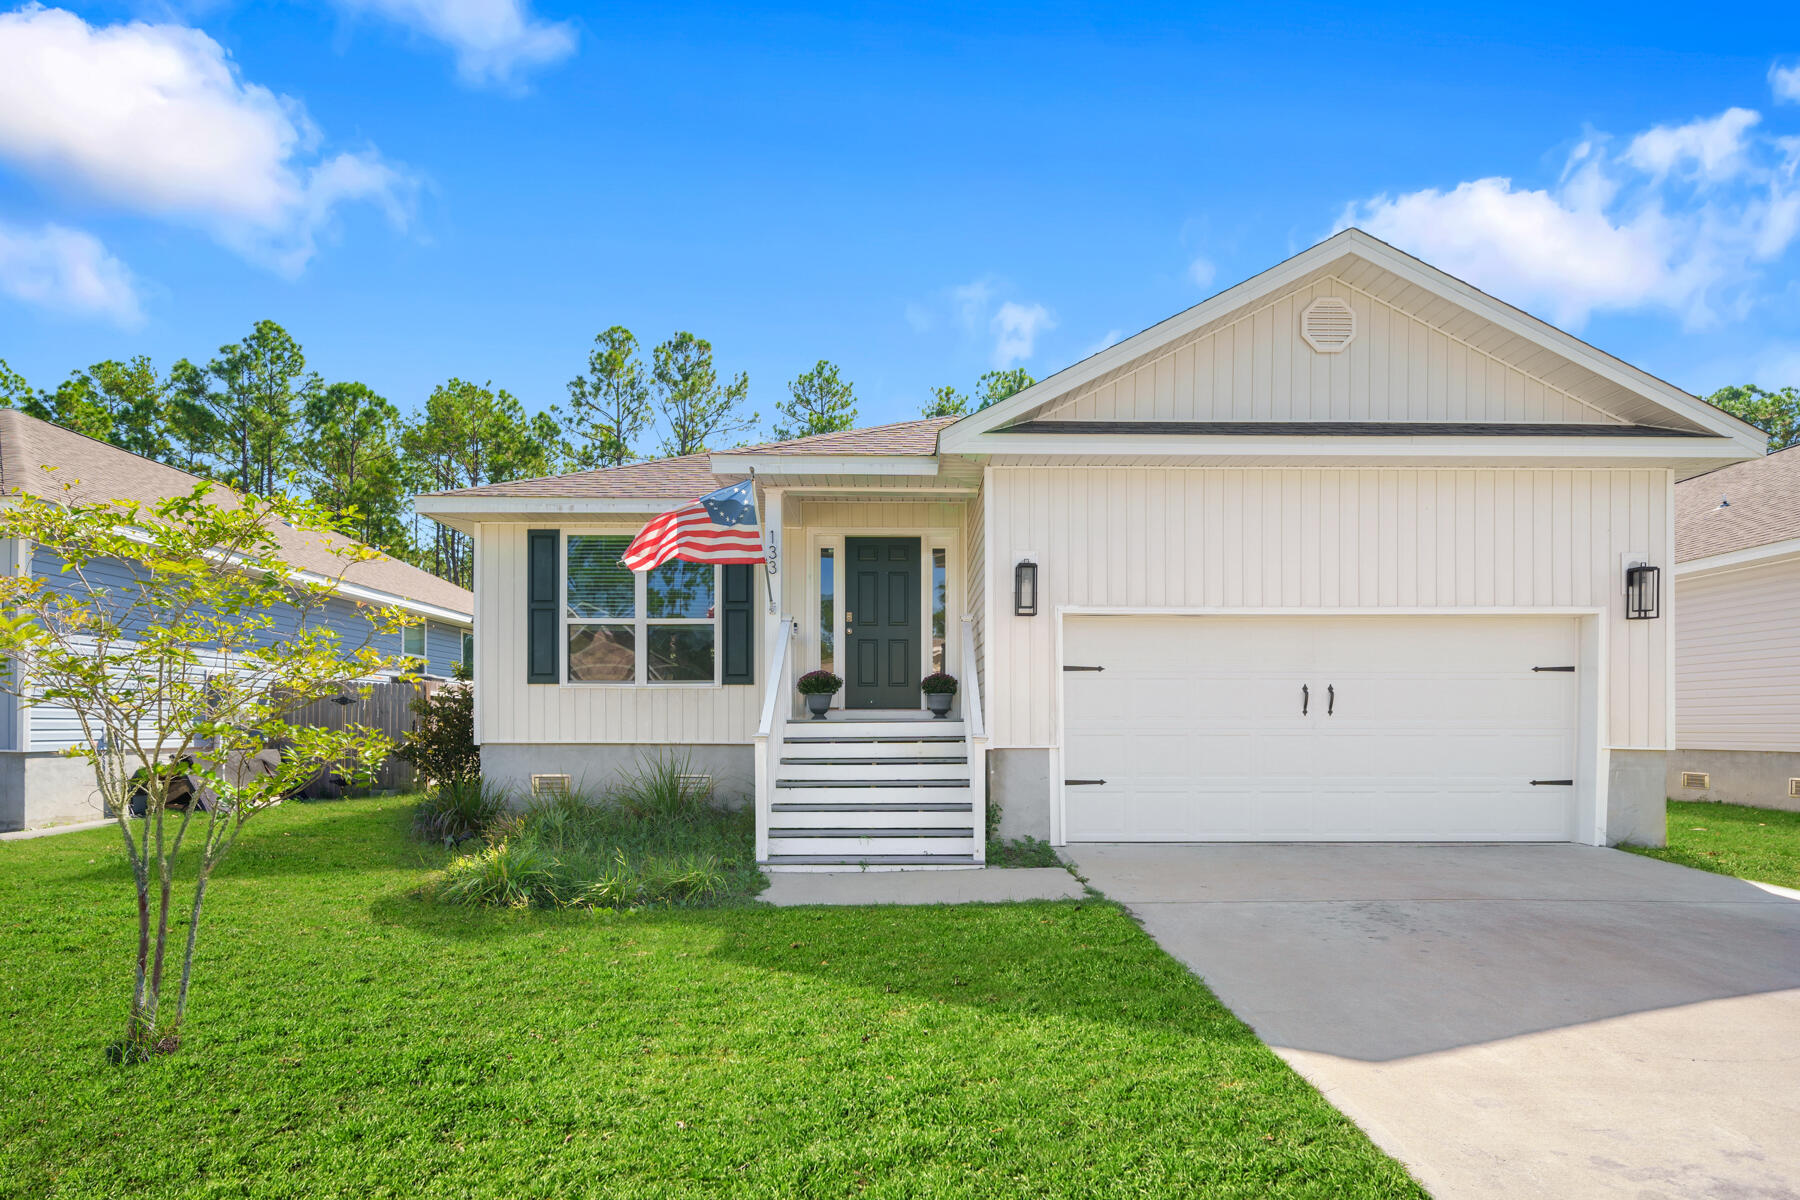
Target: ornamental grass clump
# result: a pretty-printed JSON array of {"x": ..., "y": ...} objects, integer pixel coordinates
[{"x": 654, "y": 840}]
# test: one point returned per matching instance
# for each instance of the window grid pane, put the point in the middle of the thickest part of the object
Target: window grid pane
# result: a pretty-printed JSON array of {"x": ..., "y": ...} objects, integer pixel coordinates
[
  {"x": 680, "y": 653},
  {"x": 599, "y": 584},
  {"x": 679, "y": 590},
  {"x": 603, "y": 653}
]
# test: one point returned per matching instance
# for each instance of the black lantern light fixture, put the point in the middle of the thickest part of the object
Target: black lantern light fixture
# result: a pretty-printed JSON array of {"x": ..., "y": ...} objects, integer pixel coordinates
[
  {"x": 1025, "y": 588},
  {"x": 1643, "y": 592}
]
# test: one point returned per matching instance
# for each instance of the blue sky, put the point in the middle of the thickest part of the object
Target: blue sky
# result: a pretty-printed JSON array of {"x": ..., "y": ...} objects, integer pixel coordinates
[{"x": 426, "y": 188}]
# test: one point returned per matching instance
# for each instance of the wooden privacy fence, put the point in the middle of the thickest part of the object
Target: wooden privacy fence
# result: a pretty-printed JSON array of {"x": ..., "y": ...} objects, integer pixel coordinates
[{"x": 383, "y": 706}]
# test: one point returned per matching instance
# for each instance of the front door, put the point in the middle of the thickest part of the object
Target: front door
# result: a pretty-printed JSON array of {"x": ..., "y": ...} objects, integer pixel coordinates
[{"x": 881, "y": 622}]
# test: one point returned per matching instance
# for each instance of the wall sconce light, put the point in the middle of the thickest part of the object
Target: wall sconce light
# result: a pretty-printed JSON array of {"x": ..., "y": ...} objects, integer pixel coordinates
[
  {"x": 1643, "y": 592},
  {"x": 1025, "y": 589}
]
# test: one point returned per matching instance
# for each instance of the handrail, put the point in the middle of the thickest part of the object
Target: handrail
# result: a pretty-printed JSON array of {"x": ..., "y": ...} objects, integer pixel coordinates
[
  {"x": 773, "y": 694},
  {"x": 971, "y": 681},
  {"x": 975, "y": 738}
]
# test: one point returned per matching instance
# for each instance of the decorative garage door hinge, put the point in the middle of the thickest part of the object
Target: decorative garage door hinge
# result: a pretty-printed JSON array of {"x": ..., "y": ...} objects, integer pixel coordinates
[
  {"x": 1067, "y": 667},
  {"x": 1536, "y": 669},
  {"x": 1083, "y": 782},
  {"x": 1553, "y": 783}
]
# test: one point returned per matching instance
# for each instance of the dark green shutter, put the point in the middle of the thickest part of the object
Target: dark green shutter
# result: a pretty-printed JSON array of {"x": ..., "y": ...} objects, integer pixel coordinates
[
  {"x": 542, "y": 578},
  {"x": 737, "y": 618}
]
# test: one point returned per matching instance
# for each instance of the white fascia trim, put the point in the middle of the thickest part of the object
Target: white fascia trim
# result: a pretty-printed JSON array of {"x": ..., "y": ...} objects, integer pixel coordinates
[
  {"x": 357, "y": 591},
  {"x": 1636, "y": 449},
  {"x": 826, "y": 464},
  {"x": 1750, "y": 556},
  {"x": 482, "y": 506},
  {"x": 960, "y": 436}
]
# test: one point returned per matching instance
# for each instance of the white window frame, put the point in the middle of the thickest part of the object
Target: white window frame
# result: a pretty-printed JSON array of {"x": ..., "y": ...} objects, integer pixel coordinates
[
  {"x": 640, "y": 623},
  {"x": 423, "y": 657}
]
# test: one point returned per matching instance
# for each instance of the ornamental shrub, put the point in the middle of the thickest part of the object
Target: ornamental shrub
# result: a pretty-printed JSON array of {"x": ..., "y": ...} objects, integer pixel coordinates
[
  {"x": 938, "y": 684},
  {"x": 819, "y": 683}
]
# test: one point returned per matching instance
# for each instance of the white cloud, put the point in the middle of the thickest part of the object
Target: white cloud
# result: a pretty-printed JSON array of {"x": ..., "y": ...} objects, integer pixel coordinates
[
  {"x": 1785, "y": 82},
  {"x": 66, "y": 270},
  {"x": 1682, "y": 220},
  {"x": 1111, "y": 337},
  {"x": 1713, "y": 149},
  {"x": 1202, "y": 272},
  {"x": 1015, "y": 328},
  {"x": 494, "y": 40},
  {"x": 157, "y": 119},
  {"x": 971, "y": 301}
]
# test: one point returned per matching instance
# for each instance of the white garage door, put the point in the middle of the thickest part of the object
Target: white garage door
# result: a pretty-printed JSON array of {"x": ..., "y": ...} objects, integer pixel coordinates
[{"x": 1319, "y": 728}]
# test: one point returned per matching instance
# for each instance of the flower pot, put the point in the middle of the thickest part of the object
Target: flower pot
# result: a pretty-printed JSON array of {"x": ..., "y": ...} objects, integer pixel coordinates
[
  {"x": 818, "y": 704},
  {"x": 939, "y": 703}
]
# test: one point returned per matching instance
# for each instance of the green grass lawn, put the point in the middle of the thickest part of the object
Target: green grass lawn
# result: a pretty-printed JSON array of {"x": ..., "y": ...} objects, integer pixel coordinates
[
  {"x": 348, "y": 1039},
  {"x": 1752, "y": 843}
]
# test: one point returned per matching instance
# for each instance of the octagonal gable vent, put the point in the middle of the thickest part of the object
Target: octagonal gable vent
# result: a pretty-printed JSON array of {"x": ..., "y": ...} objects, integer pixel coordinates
[{"x": 1328, "y": 324}]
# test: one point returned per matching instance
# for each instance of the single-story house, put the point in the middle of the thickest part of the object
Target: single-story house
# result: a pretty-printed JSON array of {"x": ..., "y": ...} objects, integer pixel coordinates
[
  {"x": 38, "y": 785},
  {"x": 1737, "y": 638},
  {"x": 1350, "y": 551}
]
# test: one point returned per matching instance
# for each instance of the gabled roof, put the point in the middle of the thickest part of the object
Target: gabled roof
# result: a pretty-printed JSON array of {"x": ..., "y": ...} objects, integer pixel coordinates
[
  {"x": 1762, "y": 507},
  {"x": 1485, "y": 323},
  {"x": 689, "y": 476},
  {"x": 99, "y": 472},
  {"x": 684, "y": 478}
]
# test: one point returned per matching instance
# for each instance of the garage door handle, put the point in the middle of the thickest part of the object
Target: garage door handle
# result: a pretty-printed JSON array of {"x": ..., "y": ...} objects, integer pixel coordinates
[
  {"x": 1330, "y": 698},
  {"x": 1305, "y": 698},
  {"x": 1083, "y": 782},
  {"x": 1553, "y": 783}
]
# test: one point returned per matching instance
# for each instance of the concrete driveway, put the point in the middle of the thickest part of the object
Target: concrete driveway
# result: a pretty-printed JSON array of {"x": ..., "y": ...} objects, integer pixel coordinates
[{"x": 1506, "y": 1020}]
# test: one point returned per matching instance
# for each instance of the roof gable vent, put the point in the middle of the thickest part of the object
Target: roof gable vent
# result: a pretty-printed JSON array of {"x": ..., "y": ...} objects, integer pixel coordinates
[{"x": 1328, "y": 324}]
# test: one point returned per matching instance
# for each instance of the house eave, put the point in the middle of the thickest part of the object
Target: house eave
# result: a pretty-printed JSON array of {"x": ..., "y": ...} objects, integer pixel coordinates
[
  {"x": 1639, "y": 451},
  {"x": 1733, "y": 560}
]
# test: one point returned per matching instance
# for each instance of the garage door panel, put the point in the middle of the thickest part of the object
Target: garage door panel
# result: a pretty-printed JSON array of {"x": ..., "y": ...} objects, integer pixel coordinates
[{"x": 1437, "y": 727}]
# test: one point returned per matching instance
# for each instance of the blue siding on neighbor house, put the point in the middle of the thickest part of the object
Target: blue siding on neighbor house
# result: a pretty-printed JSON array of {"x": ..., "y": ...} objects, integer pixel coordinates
[{"x": 54, "y": 727}]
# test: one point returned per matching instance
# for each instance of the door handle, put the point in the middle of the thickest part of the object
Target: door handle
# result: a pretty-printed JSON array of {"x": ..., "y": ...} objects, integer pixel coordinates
[
  {"x": 1330, "y": 698},
  {"x": 1305, "y": 698}
]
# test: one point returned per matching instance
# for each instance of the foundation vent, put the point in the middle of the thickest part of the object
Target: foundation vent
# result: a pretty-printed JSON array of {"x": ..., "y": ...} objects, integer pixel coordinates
[
  {"x": 549, "y": 785},
  {"x": 1328, "y": 324},
  {"x": 697, "y": 785},
  {"x": 1699, "y": 781},
  {"x": 1794, "y": 789}
]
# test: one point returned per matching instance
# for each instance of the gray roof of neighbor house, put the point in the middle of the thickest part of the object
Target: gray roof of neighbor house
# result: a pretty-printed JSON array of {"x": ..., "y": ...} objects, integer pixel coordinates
[
  {"x": 95, "y": 471},
  {"x": 1762, "y": 505},
  {"x": 690, "y": 475}
]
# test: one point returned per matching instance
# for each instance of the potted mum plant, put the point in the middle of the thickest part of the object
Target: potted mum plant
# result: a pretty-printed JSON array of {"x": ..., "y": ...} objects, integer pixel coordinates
[
  {"x": 939, "y": 689},
  {"x": 818, "y": 687}
]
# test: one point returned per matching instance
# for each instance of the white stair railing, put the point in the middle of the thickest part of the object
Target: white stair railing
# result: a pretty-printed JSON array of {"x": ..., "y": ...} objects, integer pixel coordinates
[
  {"x": 975, "y": 735},
  {"x": 772, "y": 728}
]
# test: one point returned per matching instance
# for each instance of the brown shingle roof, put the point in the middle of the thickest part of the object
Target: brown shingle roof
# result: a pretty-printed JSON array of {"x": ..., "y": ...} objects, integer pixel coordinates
[
  {"x": 1764, "y": 506},
  {"x": 902, "y": 437},
  {"x": 690, "y": 476},
  {"x": 99, "y": 472}
]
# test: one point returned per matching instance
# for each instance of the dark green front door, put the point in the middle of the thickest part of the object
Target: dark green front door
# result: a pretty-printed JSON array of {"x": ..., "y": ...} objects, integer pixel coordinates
[{"x": 881, "y": 622}]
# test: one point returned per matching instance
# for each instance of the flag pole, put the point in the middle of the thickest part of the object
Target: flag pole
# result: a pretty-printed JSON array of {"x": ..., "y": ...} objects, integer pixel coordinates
[{"x": 762, "y": 539}]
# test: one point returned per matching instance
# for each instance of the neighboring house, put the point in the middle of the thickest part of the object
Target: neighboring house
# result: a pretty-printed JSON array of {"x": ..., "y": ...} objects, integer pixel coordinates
[
  {"x": 1737, "y": 635},
  {"x": 1338, "y": 554},
  {"x": 38, "y": 786}
]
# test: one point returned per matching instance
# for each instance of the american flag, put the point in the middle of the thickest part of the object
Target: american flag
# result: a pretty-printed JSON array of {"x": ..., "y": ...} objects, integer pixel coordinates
[{"x": 719, "y": 527}]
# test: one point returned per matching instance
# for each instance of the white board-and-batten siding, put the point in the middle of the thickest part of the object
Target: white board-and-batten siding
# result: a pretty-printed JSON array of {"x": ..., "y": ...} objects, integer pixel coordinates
[
  {"x": 1375, "y": 539},
  {"x": 509, "y": 710},
  {"x": 1737, "y": 659},
  {"x": 1259, "y": 368}
]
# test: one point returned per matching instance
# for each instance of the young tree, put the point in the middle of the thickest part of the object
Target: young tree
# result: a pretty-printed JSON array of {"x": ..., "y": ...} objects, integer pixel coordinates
[
  {"x": 353, "y": 467},
  {"x": 124, "y": 404},
  {"x": 239, "y": 410},
  {"x": 469, "y": 434},
  {"x": 13, "y": 388},
  {"x": 184, "y": 675},
  {"x": 818, "y": 402},
  {"x": 609, "y": 406},
  {"x": 1775, "y": 413},
  {"x": 946, "y": 401},
  {"x": 695, "y": 406},
  {"x": 995, "y": 386}
]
